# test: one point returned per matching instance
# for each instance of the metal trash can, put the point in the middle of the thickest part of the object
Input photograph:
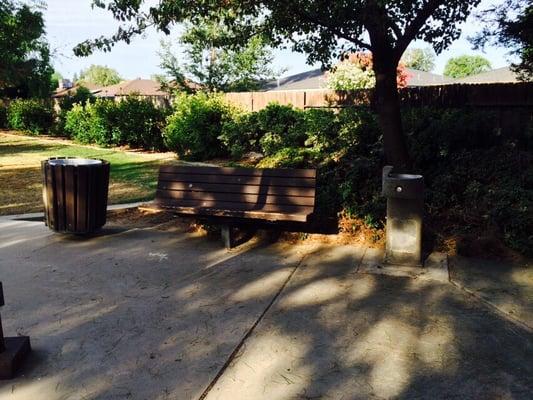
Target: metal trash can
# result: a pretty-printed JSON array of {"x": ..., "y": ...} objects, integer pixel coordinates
[
  {"x": 75, "y": 194},
  {"x": 405, "y": 208}
]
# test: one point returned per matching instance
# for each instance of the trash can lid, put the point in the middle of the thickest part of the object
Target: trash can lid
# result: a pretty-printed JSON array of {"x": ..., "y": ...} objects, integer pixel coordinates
[{"x": 74, "y": 161}]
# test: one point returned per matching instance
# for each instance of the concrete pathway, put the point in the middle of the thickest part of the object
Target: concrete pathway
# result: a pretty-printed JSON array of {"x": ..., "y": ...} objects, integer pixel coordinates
[
  {"x": 162, "y": 314},
  {"x": 338, "y": 334}
]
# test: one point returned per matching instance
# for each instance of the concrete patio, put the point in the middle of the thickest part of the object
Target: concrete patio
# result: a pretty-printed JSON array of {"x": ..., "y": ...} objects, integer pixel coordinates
[{"x": 158, "y": 313}]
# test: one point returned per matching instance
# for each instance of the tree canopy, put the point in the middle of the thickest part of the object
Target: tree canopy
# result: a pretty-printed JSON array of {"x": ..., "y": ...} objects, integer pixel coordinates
[
  {"x": 419, "y": 59},
  {"x": 100, "y": 75},
  {"x": 462, "y": 66},
  {"x": 324, "y": 30},
  {"x": 25, "y": 69},
  {"x": 215, "y": 66},
  {"x": 510, "y": 25}
]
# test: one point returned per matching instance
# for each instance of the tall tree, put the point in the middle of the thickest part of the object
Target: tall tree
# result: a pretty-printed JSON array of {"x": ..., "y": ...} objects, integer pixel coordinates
[
  {"x": 419, "y": 59},
  {"x": 510, "y": 25},
  {"x": 25, "y": 69},
  {"x": 100, "y": 75},
  {"x": 462, "y": 66},
  {"x": 323, "y": 30},
  {"x": 215, "y": 66}
]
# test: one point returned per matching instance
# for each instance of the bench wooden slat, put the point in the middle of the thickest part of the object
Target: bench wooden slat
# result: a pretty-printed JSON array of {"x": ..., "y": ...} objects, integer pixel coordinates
[
  {"x": 237, "y": 180},
  {"x": 230, "y": 205},
  {"x": 239, "y": 189},
  {"x": 267, "y": 216},
  {"x": 271, "y": 172},
  {"x": 259, "y": 198},
  {"x": 269, "y": 194}
]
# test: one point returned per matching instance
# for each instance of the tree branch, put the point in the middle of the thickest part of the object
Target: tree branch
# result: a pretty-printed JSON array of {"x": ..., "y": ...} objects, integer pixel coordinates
[
  {"x": 334, "y": 30},
  {"x": 414, "y": 27}
]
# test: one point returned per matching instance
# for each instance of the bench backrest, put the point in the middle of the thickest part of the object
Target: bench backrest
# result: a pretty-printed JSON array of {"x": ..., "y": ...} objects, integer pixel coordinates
[{"x": 281, "y": 191}]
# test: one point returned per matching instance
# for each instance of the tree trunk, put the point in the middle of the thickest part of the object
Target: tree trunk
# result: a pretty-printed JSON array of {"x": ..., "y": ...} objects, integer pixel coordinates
[{"x": 387, "y": 106}]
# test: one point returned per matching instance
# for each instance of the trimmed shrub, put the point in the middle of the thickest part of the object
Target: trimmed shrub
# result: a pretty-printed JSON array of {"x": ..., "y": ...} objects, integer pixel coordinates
[
  {"x": 477, "y": 180},
  {"x": 280, "y": 126},
  {"x": 138, "y": 124},
  {"x": 82, "y": 96},
  {"x": 92, "y": 123},
  {"x": 33, "y": 116},
  {"x": 241, "y": 134},
  {"x": 134, "y": 122},
  {"x": 193, "y": 129}
]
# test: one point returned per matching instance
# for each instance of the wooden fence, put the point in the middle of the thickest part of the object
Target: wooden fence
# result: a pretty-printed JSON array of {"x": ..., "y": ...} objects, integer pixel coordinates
[{"x": 495, "y": 95}]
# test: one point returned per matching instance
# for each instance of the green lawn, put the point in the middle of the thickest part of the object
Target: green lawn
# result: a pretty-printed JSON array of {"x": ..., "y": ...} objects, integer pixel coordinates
[{"x": 133, "y": 175}]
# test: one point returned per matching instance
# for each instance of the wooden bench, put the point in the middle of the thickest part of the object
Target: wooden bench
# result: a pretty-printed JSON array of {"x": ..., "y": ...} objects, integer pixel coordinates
[{"x": 234, "y": 194}]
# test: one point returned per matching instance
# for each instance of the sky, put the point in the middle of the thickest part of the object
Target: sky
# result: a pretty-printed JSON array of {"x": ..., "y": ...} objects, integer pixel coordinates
[{"x": 69, "y": 22}]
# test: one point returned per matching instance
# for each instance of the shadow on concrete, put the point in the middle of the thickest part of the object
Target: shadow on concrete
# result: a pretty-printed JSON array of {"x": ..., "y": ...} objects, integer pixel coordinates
[{"x": 153, "y": 314}]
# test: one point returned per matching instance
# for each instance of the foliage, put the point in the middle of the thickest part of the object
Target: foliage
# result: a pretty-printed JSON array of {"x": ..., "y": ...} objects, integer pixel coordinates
[
  {"x": 99, "y": 75},
  {"x": 419, "y": 59},
  {"x": 134, "y": 122},
  {"x": 139, "y": 124},
  {"x": 92, "y": 122},
  {"x": 281, "y": 126},
  {"x": 323, "y": 30},
  {"x": 54, "y": 80},
  {"x": 31, "y": 115},
  {"x": 25, "y": 69},
  {"x": 82, "y": 95},
  {"x": 194, "y": 127},
  {"x": 510, "y": 25},
  {"x": 241, "y": 134},
  {"x": 215, "y": 66},
  {"x": 478, "y": 179},
  {"x": 462, "y": 66},
  {"x": 355, "y": 72}
]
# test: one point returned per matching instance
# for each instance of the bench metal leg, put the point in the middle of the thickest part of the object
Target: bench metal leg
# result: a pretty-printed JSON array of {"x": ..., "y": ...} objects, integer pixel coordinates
[{"x": 227, "y": 236}]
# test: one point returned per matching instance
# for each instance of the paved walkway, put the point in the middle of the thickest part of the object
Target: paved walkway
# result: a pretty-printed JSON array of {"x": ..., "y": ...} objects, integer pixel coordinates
[{"x": 163, "y": 314}]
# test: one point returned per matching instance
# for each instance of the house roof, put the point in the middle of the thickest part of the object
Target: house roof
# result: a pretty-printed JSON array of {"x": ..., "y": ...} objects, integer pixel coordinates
[
  {"x": 423, "y": 78},
  {"x": 313, "y": 79},
  {"x": 72, "y": 91},
  {"x": 316, "y": 79},
  {"x": 498, "y": 75},
  {"x": 143, "y": 87}
]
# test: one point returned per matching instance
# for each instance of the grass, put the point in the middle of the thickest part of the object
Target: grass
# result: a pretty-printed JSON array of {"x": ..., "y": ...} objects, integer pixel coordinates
[{"x": 133, "y": 175}]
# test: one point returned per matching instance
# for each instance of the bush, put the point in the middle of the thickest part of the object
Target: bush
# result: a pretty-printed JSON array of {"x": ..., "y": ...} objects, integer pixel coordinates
[
  {"x": 81, "y": 96},
  {"x": 93, "y": 122},
  {"x": 193, "y": 129},
  {"x": 134, "y": 122},
  {"x": 31, "y": 115},
  {"x": 322, "y": 129},
  {"x": 477, "y": 180},
  {"x": 280, "y": 126},
  {"x": 241, "y": 134},
  {"x": 138, "y": 124}
]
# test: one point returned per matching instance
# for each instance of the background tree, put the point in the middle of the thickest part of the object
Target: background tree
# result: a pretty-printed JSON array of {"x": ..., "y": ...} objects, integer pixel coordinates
[
  {"x": 209, "y": 62},
  {"x": 100, "y": 75},
  {"x": 356, "y": 72},
  {"x": 324, "y": 30},
  {"x": 25, "y": 69},
  {"x": 54, "y": 80},
  {"x": 419, "y": 59},
  {"x": 510, "y": 25},
  {"x": 459, "y": 67}
]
